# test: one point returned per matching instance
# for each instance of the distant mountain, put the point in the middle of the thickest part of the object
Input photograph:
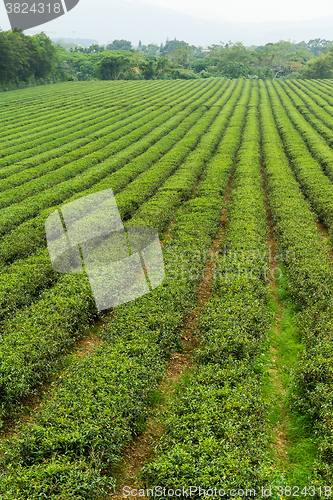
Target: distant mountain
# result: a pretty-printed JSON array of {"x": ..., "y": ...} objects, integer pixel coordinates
[{"x": 135, "y": 20}]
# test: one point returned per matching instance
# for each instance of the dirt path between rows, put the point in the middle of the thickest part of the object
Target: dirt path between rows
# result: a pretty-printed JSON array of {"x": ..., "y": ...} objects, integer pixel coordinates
[
  {"x": 326, "y": 238},
  {"x": 142, "y": 448},
  {"x": 82, "y": 347},
  {"x": 280, "y": 432}
]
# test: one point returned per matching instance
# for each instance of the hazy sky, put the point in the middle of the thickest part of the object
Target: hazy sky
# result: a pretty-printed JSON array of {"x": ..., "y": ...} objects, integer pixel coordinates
[
  {"x": 240, "y": 10},
  {"x": 199, "y": 22},
  {"x": 251, "y": 11}
]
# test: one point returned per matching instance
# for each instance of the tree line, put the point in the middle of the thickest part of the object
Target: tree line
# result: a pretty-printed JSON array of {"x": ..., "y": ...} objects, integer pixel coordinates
[
  {"x": 26, "y": 59},
  {"x": 30, "y": 60}
]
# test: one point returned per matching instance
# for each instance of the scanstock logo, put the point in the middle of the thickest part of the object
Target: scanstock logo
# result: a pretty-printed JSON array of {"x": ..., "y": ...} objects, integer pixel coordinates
[
  {"x": 88, "y": 235},
  {"x": 28, "y": 14}
]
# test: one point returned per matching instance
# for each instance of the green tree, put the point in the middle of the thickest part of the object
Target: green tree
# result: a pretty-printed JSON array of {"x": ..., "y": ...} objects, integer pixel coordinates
[
  {"x": 322, "y": 67},
  {"x": 201, "y": 64},
  {"x": 171, "y": 45},
  {"x": 13, "y": 58},
  {"x": 234, "y": 69},
  {"x": 92, "y": 49},
  {"x": 79, "y": 66},
  {"x": 230, "y": 52},
  {"x": 111, "y": 66},
  {"x": 26, "y": 59},
  {"x": 183, "y": 56},
  {"x": 43, "y": 55},
  {"x": 148, "y": 67},
  {"x": 282, "y": 59},
  {"x": 162, "y": 67},
  {"x": 318, "y": 45},
  {"x": 119, "y": 45},
  {"x": 150, "y": 49}
]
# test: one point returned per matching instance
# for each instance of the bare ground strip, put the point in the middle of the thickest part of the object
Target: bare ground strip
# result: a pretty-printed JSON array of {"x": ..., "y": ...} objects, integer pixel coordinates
[
  {"x": 280, "y": 431},
  {"x": 141, "y": 448}
]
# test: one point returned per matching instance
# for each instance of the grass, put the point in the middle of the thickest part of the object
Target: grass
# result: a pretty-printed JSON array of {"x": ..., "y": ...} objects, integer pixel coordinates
[{"x": 292, "y": 442}]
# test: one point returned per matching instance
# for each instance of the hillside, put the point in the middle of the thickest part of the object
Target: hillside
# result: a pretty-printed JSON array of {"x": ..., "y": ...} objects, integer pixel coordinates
[{"x": 221, "y": 376}]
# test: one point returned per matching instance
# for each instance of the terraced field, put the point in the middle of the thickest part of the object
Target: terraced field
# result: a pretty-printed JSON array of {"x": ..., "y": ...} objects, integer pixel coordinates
[{"x": 222, "y": 377}]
